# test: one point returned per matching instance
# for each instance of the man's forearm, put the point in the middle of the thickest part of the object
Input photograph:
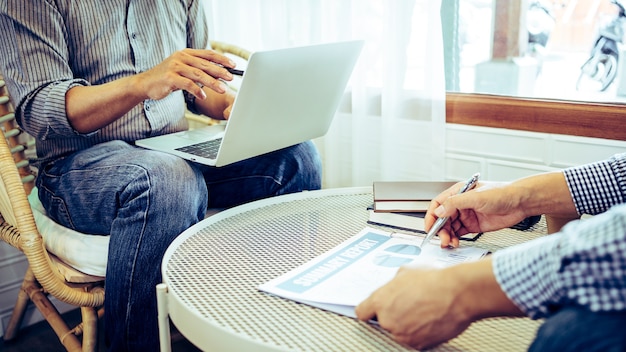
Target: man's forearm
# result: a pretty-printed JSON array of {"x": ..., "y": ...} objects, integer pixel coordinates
[
  {"x": 546, "y": 193},
  {"x": 90, "y": 108},
  {"x": 483, "y": 297}
]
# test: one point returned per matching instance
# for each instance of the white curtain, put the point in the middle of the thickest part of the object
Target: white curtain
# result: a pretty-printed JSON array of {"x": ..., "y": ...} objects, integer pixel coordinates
[{"x": 391, "y": 124}]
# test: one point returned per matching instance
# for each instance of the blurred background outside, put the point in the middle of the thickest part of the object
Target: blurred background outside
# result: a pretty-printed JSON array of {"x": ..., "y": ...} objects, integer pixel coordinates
[{"x": 568, "y": 29}]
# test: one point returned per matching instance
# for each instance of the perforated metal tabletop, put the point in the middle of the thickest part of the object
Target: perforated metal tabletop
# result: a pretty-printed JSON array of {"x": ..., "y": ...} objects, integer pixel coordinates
[{"x": 212, "y": 272}]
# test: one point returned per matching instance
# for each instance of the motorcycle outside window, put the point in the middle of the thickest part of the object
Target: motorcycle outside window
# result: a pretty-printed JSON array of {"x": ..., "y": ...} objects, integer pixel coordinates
[
  {"x": 600, "y": 70},
  {"x": 554, "y": 49}
]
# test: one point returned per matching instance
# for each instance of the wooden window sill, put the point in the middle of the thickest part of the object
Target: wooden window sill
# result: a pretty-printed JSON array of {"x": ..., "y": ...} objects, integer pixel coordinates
[{"x": 599, "y": 120}]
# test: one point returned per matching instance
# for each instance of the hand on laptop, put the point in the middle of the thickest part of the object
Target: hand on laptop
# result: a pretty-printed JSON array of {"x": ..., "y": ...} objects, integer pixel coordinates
[
  {"x": 199, "y": 72},
  {"x": 189, "y": 70}
]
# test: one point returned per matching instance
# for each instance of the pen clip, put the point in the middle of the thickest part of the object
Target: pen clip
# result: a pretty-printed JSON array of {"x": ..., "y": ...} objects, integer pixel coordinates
[{"x": 470, "y": 183}]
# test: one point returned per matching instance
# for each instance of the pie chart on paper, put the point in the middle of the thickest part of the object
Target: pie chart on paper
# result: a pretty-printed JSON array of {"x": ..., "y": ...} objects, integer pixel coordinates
[{"x": 397, "y": 255}]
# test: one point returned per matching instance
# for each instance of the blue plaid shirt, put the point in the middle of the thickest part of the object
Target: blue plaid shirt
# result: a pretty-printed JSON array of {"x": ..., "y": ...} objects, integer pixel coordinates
[{"x": 585, "y": 263}]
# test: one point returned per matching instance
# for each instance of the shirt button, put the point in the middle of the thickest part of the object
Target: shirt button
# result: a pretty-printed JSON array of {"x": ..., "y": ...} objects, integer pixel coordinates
[
  {"x": 133, "y": 35},
  {"x": 147, "y": 107}
]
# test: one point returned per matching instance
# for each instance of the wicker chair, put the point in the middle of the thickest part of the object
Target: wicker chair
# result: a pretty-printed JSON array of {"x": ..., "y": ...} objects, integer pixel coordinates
[
  {"x": 226, "y": 49},
  {"x": 46, "y": 274}
]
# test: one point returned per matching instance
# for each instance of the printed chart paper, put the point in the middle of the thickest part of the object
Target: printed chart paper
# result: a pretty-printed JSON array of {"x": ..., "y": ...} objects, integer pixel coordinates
[{"x": 345, "y": 276}]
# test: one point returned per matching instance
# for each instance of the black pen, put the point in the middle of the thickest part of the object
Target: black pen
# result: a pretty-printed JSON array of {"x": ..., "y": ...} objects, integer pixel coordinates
[{"x": 234, "y": 71}]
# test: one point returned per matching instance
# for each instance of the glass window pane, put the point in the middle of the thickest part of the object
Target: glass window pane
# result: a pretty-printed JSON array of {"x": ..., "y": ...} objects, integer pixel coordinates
[{"x": 566, "y": 49}]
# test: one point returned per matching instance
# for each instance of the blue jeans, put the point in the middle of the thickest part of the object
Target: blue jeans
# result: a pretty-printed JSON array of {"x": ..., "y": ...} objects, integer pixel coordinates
[
  {"x": 144, "y": 199},
  {"x": 576, "y": 329}
]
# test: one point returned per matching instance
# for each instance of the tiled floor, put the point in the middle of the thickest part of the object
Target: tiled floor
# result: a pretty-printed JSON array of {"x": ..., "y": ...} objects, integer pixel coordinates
[{"x": 41, "y": 338}]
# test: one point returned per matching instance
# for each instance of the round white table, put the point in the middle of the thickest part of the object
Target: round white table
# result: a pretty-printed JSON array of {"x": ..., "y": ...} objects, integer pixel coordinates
[{"x": 211, "y": 273}]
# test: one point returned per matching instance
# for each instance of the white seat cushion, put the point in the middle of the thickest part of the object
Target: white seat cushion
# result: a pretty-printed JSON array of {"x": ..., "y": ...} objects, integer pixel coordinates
[{"x": 86, "y": 253}]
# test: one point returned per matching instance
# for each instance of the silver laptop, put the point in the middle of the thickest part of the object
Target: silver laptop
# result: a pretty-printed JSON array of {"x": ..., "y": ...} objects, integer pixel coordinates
[{"x": 286, "y": 97}]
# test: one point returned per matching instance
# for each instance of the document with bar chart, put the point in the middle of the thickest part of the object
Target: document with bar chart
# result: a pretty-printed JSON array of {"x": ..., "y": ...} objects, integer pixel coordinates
[{"x": 343, "y": 277}]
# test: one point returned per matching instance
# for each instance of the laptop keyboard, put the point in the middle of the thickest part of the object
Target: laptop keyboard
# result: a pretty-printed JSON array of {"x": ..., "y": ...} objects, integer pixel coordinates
[{"x": 206, "y": 149}]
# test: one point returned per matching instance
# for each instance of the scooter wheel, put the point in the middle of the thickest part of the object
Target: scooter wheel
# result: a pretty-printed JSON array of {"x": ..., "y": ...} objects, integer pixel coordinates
[
  {"x": 610, "y": 69},
  {"x": 597, "y": 73}
]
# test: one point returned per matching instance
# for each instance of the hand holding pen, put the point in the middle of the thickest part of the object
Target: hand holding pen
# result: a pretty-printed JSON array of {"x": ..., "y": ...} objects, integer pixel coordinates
[{"x": 442, "y": 221}]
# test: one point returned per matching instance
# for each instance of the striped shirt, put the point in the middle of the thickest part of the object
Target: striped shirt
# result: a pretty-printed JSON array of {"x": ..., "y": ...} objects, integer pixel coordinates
[
  {"x": 585, "y": 263},
  {"x": 52, "y": 46}
]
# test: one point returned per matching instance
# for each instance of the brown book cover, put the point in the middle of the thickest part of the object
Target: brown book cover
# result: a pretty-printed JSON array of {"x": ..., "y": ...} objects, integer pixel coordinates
[{"x": 406, "y": 196}]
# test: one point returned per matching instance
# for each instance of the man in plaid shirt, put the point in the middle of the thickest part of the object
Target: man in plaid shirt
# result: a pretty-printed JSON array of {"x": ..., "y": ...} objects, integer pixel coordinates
[{"x": 574, "y": 279}]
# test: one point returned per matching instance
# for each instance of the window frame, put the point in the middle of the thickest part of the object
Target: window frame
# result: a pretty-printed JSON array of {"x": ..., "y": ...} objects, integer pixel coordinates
[{"x": 576, "y": 118}]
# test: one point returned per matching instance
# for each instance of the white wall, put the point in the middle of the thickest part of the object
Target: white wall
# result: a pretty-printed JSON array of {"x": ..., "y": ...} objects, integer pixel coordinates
[
  {"x": 503, "y": 155},
  {"x": 498, "y": 154}
]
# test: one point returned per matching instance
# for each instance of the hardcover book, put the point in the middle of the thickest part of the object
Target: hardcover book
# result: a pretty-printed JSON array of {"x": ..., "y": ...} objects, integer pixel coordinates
[
  {"x": 411, "y": 221},
  {"x": 406, "y": 196}
]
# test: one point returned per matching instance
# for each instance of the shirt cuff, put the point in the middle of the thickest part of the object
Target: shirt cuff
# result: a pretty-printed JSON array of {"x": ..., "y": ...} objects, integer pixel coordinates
[
  {"x": 596, "y": 187},
  {"x": 528, "y": 274},
  {"x": 53, "y": 111}
]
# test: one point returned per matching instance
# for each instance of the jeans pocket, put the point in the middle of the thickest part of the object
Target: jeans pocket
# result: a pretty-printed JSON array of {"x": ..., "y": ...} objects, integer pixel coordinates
[{"x": 56, "y": 208}]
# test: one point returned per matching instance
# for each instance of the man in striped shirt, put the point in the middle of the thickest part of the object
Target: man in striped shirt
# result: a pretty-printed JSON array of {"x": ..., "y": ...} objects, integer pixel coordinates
[
  {"x": 575, "y": 279},
  {"x": 87, "y": 79}
]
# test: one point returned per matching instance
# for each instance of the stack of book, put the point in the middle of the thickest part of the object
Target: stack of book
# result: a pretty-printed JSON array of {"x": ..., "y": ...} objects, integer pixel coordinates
[
  {"x": 403, "y": 204},
  {"x": 412, "y": 221},
  {"x": 406, "y": 196}
]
